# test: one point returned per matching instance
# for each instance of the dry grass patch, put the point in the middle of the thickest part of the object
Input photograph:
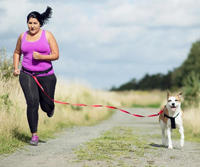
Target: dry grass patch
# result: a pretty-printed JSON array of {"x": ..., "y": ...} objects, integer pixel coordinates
[
  {"x": 191, "y": 118},
  {"x": 141, "y": 98}
]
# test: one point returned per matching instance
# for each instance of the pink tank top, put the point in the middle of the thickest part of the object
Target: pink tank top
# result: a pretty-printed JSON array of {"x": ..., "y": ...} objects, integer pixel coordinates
[{"x": 41, "y": 46}]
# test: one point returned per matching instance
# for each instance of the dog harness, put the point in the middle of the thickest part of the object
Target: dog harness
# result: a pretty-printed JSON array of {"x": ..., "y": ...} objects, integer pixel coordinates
[{"x": 173, "y": 123}]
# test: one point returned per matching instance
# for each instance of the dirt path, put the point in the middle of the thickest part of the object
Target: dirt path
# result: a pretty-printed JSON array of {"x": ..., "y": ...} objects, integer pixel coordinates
[{"x": 59, "y": 152}]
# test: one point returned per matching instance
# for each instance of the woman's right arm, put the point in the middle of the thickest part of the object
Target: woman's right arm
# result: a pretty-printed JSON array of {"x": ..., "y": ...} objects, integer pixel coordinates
[{"x": 16, "y": 56}]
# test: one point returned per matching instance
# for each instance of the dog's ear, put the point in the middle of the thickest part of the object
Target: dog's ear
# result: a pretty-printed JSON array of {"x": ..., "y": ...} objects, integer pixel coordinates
[{"x": 180, "y": 94}]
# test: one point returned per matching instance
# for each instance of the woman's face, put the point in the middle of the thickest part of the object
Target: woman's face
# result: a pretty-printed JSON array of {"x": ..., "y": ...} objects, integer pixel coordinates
[{"x": 33, "y": 26}]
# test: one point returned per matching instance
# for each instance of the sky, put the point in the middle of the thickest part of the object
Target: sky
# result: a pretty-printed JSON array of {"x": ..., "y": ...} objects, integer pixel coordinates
[{"x": 106, "y": 43}]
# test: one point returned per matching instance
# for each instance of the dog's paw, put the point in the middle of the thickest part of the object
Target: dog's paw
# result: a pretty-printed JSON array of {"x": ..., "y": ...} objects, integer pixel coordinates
[
  {"x": 170, "y": 147},
  {"x": 182, "y": 143}
]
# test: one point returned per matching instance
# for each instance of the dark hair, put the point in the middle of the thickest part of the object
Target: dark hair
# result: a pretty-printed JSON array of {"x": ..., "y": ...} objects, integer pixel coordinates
[{"x": 43, "y": 17}]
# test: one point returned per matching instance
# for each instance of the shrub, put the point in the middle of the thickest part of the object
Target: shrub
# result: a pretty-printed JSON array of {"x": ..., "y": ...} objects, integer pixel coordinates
[
  {"x": 6, "y": 67},
  {"x": 191, "y": 90}
]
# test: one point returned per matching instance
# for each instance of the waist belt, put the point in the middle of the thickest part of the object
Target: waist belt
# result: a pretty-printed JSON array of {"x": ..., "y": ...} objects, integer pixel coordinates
[{"x": 37, "y": 72}]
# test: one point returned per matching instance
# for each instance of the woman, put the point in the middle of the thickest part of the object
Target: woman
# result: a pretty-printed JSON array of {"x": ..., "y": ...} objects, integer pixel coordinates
[{"x": 39, "y": 48}]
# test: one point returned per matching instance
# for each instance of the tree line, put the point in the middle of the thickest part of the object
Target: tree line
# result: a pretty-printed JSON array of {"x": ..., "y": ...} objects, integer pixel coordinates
[{"x": 177, "y": 78}]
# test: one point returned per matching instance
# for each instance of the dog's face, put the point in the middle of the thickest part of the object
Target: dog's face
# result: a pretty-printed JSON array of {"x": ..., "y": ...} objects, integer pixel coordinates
[{"x": 173, "y": 101}]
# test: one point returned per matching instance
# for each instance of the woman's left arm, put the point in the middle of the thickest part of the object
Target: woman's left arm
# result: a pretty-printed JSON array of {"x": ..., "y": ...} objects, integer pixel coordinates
[{"x": 54, "y": 49}]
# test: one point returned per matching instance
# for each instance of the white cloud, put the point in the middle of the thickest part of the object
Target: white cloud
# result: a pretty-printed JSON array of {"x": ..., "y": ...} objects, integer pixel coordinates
[{"x": 100, "y": 37}]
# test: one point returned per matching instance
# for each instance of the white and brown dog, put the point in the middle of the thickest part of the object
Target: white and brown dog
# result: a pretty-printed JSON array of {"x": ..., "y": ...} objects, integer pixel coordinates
[{"x": 171, "y": 118}]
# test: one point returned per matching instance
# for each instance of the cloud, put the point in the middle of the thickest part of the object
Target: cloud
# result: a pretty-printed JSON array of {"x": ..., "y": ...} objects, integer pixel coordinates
[{"x": 105, "y": 42}]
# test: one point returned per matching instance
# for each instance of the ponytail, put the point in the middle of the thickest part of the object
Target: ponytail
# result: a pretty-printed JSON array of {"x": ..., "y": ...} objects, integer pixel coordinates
[
  {"x": 46, "y": 15},
  {"x": 42, "y": 18}
]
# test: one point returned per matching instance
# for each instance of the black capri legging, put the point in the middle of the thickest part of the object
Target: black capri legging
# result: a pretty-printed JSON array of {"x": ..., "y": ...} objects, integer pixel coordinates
[{"x": 34, "y": 96}]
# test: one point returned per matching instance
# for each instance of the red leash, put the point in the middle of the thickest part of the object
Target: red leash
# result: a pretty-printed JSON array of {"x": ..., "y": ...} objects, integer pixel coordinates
[{"x": 84, "y": 105}]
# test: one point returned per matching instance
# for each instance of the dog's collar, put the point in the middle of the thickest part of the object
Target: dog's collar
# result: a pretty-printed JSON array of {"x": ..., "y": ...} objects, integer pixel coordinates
[{"x": 173, "y": 124}]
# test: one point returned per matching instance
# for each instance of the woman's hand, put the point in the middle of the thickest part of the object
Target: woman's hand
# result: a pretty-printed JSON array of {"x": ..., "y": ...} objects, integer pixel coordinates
[
  {"x": 16, "y": 72},
  {"x": 36, "y": 55}
]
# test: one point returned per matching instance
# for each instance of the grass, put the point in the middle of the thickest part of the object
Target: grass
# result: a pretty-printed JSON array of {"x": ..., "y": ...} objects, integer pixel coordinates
[
  {"x": 152, "y": 99},
  {"x": 155, "y": 105},
  {"x": 191, "y": 121},
  {"x": 115, "y": 143},
  {"x": 189, "y": 135}
]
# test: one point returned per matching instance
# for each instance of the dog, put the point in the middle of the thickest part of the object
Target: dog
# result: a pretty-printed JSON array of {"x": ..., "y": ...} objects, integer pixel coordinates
[{"x": 170, "y": 118}]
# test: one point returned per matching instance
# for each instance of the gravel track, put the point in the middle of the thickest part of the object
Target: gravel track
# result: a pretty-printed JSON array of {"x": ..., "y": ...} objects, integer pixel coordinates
[{"x": 59, "y": 151}]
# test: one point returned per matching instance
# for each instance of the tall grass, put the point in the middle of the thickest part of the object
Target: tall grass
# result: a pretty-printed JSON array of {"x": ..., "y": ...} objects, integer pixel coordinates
[
  {"x": 191, "y": 119},
  {"x": 132, "y": 98}
]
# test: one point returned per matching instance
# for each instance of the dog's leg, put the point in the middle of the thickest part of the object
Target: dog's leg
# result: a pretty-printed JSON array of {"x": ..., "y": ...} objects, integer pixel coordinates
[
  {"x": 163, "y": 127},
  {"x": 181, "y": 131},
  {"x": 169, "y": 138},
  {"x": 164, "y": 139}
]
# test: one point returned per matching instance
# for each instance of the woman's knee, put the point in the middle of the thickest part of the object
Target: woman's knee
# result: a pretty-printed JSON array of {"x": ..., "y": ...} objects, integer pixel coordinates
[{"x": 47, "y": 107}]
